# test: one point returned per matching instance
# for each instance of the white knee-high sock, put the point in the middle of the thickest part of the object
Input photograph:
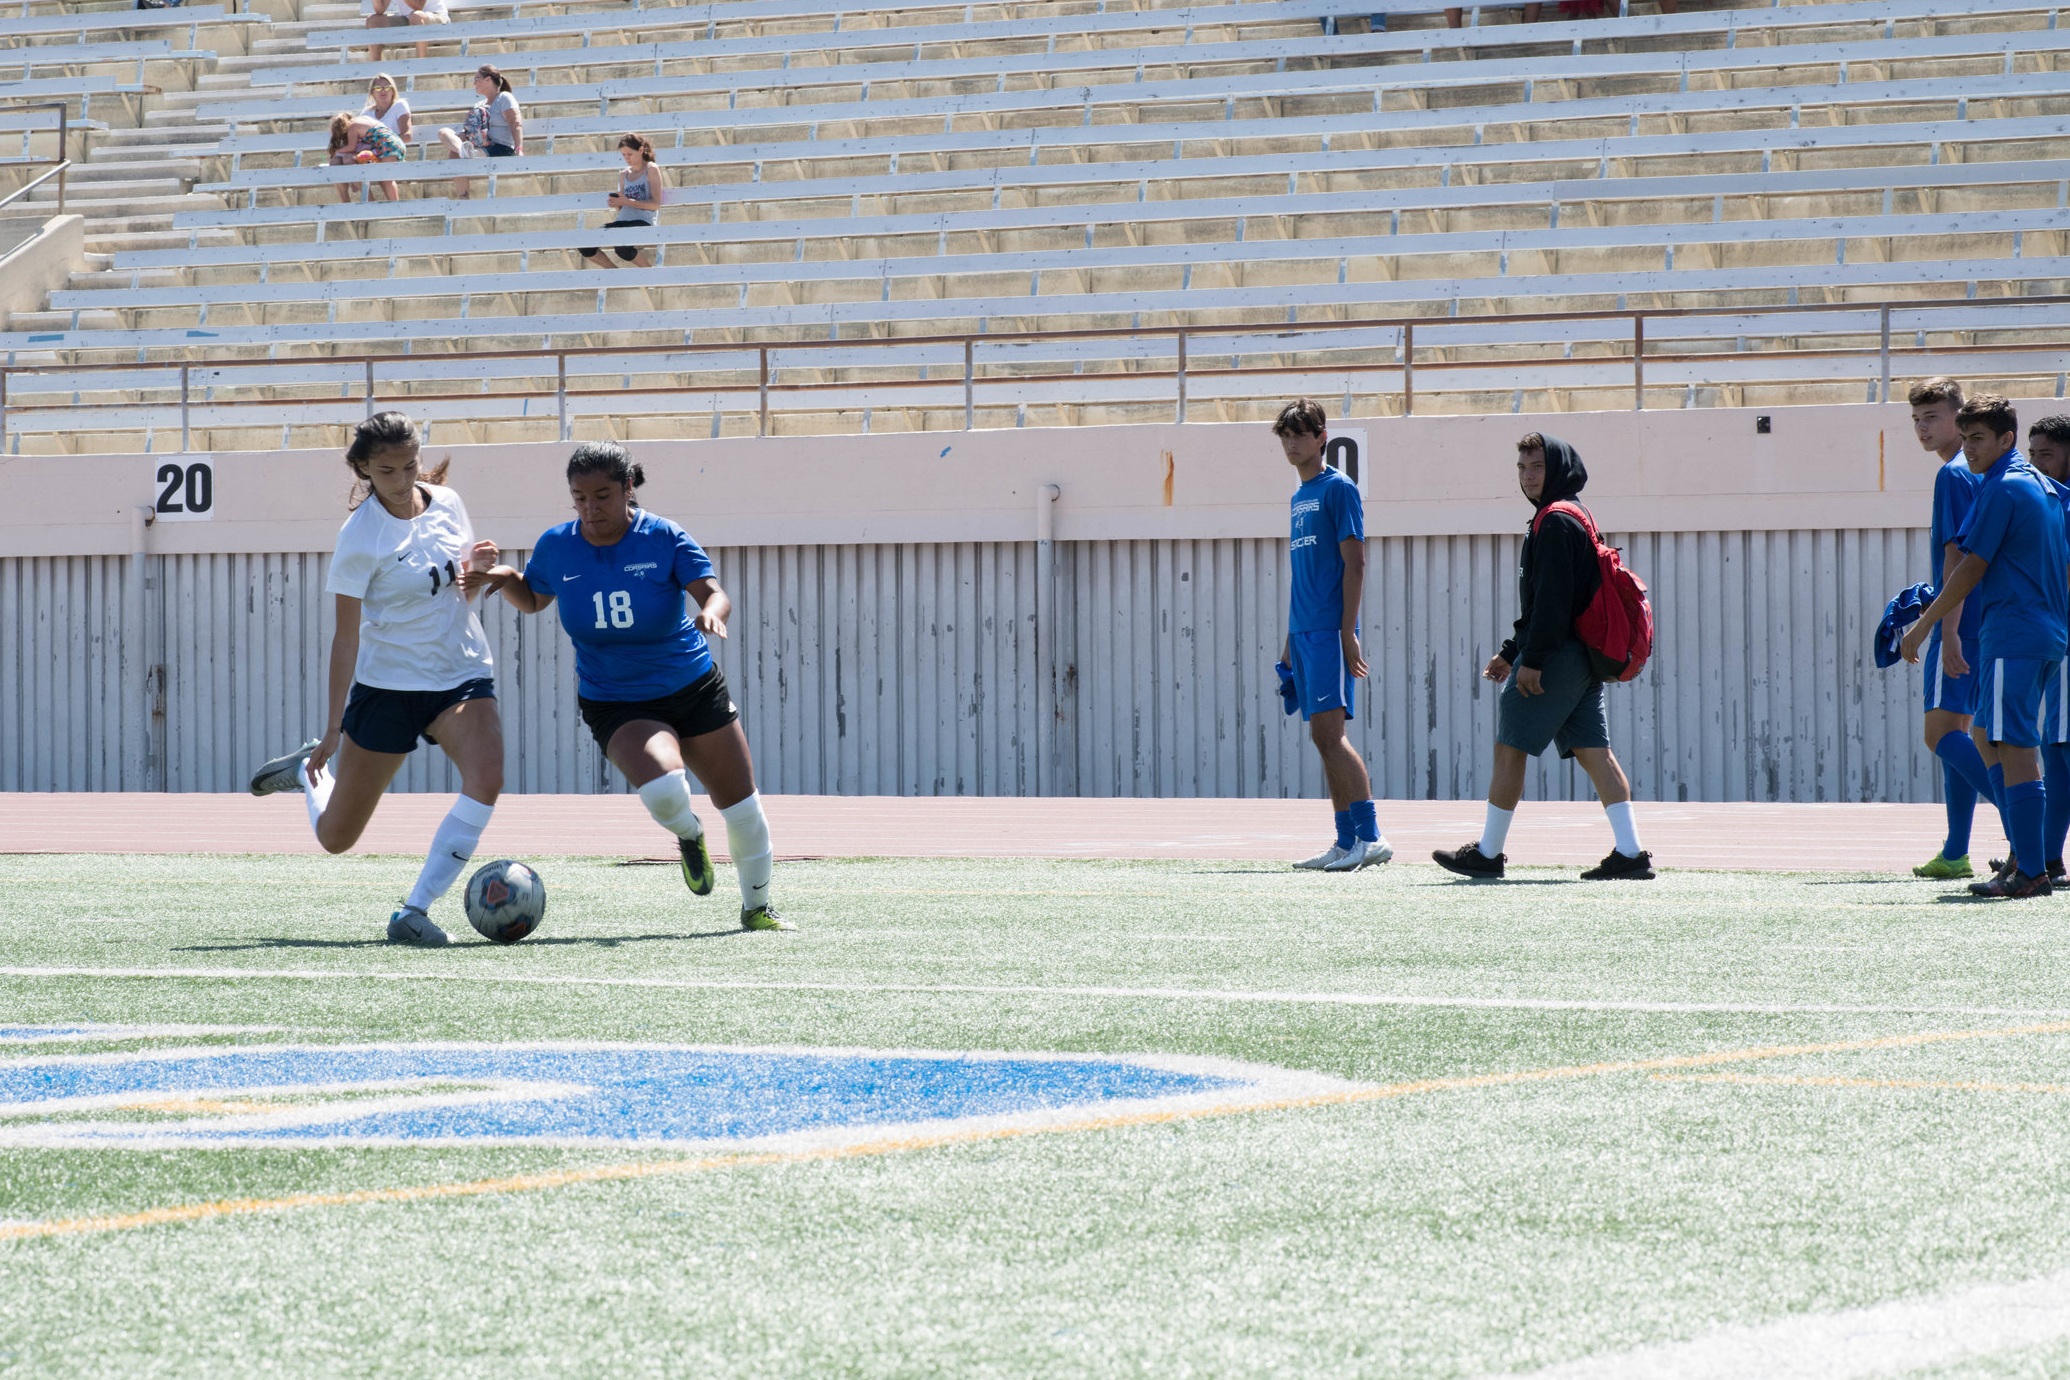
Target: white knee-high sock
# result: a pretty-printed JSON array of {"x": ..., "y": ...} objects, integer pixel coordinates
[
  {"x": 1623, "y": 828},
  {"x": 747, "y": 838},
  {"x": 1495, "y": 832},
  {"x": 316, "y": 792},
  {"x": 451, "y": 847},
  {"x": 667, "y": 798}
]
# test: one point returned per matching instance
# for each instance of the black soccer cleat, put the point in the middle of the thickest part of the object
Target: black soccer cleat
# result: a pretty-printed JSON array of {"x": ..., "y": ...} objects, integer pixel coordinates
[
  {"x": 1470, "y": 861},
  {"x": 1619, "y": 868},
  {"x": 2004, "y": 867},
  {"x": 697, "y": 865},
  {"x": 2017, "y": 887}
]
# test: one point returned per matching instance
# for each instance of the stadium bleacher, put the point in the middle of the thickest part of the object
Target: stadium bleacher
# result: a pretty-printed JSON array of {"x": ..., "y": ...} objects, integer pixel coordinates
[{"x": 858, "y": 190}]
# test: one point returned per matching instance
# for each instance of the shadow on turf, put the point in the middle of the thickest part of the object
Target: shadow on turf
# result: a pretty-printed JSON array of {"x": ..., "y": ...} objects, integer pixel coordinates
[{"x": 605, "y": 941}]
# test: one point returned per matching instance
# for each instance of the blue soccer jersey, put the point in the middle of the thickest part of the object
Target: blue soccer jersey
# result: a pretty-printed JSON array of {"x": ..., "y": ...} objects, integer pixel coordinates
[
  {"x": 624, "y": 606},
  {"x": 1955, "y": 487},
  {"x": 1327, "y": 511},
  {"x": 2018, "y": 526}
]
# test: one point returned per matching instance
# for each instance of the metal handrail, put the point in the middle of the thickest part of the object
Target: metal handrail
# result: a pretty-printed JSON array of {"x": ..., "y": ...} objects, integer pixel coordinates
[
  {"x": 63, "y": 161},
  {"x": 1407, "y": 363}
]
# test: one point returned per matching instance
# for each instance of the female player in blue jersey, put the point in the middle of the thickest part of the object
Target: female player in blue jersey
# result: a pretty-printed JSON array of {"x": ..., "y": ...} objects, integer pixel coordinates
[{"x": 648, "y": 687}]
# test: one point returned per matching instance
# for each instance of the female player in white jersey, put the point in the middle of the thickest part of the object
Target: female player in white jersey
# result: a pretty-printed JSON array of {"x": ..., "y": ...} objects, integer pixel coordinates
[
  {"x": 648, "y": 687},
  {"x": 408, "y": 660}
]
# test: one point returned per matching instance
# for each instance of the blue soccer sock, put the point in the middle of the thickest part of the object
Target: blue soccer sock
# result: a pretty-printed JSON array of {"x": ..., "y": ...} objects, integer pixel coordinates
[
  {"x": 1997, "y": 775},
  {"x": 2027, "y": 806},
  {"x": 1959, "y": 752},
  {"x": 2055, "y": 763},
  {"x": 1961, "y": 799},
  {"x": 1365, "y": 822},
  {"x": 1347, "y": 832}
]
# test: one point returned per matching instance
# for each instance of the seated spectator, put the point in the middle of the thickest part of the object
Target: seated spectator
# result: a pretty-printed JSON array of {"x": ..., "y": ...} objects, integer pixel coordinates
[
  {"x": 494, "y": 128},
  {"x": 382, "y": 14},
  {"x": 641, "y": 190},
  {"x": 363, "y": 139},
  {"x": 385, "y": 105}
]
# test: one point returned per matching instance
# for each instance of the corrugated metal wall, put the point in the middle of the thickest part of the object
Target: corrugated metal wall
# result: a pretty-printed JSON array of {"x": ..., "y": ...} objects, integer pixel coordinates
[{"x": 1101, "y": 668}]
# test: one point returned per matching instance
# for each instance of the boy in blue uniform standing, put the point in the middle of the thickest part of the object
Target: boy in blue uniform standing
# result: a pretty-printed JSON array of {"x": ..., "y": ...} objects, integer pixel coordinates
[
  {"x": 1322, "y": 658},
  {"x": 1951, "y": 646},
  {"x": 2017, "y": 559}
]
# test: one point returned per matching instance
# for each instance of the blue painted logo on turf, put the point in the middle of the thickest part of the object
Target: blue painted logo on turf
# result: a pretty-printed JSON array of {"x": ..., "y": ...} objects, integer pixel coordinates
[{"x": 572, "y": 1094}]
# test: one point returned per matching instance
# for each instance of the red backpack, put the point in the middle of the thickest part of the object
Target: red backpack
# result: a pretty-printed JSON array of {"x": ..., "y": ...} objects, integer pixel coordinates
[{"x": 1617, "y": 625}]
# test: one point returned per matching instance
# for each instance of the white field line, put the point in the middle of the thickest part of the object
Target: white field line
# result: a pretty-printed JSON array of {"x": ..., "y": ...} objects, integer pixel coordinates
[
  {"x": 1182, "y": 994},
  {"x": 1884, "y": 1339}
]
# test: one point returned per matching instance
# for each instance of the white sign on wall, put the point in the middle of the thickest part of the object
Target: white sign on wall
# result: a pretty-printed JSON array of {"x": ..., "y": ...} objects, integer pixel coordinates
[
  {"x": 1346, "y": 451},
  {"x": 184, "y": 489}
]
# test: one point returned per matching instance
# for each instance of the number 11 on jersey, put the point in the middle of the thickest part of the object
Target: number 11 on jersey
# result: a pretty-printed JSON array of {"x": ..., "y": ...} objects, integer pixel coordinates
[{"x": 619, "y": 612}]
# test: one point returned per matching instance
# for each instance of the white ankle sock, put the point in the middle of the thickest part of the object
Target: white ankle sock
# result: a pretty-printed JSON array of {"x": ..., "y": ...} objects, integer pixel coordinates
[
  {"x": 451, "y": 847},
  {"x": 667, "y": 798},
  {"x": 316, "y": 792},
  {"x": 1496, "y": 831},
  {"x": 1621, "y": 825},
  {"x": 747, "y": 839}
]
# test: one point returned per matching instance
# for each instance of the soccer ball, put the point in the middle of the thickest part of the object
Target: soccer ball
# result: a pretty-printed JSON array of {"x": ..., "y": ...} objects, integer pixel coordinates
[{"x": 505, "y": 901}]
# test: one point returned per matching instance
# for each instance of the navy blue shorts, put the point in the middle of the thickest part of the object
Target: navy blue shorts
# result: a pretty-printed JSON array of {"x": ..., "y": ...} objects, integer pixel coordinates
[
  {"x": 393, "y": 720},
  {"x": 1322, "y": 681}
]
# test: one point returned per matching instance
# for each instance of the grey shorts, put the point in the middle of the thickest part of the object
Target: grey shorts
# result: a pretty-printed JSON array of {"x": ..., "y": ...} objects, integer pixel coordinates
[{"x": 1569, "y": 713}]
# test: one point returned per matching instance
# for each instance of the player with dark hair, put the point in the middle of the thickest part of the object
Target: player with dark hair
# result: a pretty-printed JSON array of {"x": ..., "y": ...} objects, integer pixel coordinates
[
  {"x": 2017, "y": 559},
  {"x": 647, "y": 685},
  {"x": 1951, "y": 646},
  {"x": 2048, "y": 450},
  {"x": 1321, "y": 657},
  {"x": 408, "y": 660},
  {"x": 1552, "y": 696}
]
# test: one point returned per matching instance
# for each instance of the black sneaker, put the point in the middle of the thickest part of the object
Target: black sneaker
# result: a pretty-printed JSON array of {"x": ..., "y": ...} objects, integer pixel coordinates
[
  {"x": 2017, "y": 887},
  {"x": 697, "y": 865},
  {"x": 1619, "y": 868},
  {"x": 2003, "y": 869},
  {"x": 1470, "y": 861}
]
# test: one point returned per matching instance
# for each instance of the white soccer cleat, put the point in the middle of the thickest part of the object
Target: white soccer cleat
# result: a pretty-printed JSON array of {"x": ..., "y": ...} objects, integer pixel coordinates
[
  {"x": 1361, "y": 854},
  {"x": 283, "y": 773},
  {"x": 1322, "y": 860}
]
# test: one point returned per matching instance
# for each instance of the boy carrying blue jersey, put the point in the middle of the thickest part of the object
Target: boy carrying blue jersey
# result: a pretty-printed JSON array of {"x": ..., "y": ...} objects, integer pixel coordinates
[
  {"x": 1951, "y": 679},
  {"x": 1322, "y": 660},
  {"x": 2016, "y": 558}
]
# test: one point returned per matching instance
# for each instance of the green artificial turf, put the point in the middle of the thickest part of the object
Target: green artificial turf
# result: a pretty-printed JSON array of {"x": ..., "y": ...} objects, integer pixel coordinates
[{"x": 1447, "y": 1232}]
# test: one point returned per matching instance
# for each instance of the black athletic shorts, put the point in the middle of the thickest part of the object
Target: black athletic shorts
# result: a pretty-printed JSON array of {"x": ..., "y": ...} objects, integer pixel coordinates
[
  {"x": 392, "y": 720},
  {"x": 703, "y": 706}
]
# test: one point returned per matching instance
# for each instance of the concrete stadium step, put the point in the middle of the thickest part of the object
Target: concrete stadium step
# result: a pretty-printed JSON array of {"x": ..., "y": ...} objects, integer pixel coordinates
[
  {"x": 106, "y": 242},
  {"x": 133, "y": 169},
  {"x": 62, "y": 320},
  {"x": 137, "y": 198}
]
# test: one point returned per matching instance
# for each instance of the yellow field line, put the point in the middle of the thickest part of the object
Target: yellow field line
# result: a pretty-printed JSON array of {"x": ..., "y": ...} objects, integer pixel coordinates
[
  {"x": 643, "y": 1169},
  {"x": 1778, "y": 1080}
]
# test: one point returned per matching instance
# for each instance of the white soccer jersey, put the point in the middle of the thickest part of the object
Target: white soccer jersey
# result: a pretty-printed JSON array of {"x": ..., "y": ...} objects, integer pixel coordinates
[{"x": 416, "y": 631}]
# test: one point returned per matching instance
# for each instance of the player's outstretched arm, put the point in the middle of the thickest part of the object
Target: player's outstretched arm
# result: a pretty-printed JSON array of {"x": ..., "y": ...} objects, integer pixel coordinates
[
  {"x": 344, "y": 661},
  {"x": 714, "y": 607},
  {"x": 511, "y": 585},
  {"x": 1960, "y": 581}
]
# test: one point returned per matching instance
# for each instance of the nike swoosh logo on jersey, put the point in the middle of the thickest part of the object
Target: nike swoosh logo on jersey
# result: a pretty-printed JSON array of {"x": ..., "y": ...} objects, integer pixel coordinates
[{"x": 566, "y": 578}]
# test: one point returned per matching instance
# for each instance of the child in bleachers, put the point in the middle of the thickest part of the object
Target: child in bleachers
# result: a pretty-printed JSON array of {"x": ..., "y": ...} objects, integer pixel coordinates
[{"x": 363, "y": 139}]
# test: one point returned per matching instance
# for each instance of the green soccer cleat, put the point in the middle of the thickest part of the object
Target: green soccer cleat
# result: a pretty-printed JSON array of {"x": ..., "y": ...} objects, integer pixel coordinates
[
  {"x": 764, "y": 918},
  {"x": 697, "y": 865},
  {"x": 1945, "y": 869}
]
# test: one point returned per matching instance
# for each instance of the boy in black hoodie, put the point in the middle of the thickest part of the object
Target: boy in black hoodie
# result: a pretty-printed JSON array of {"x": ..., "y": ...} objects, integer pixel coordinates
[{"x": 1553, "y": 695}]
